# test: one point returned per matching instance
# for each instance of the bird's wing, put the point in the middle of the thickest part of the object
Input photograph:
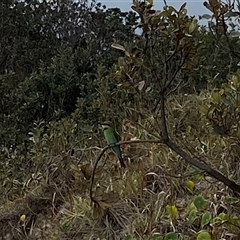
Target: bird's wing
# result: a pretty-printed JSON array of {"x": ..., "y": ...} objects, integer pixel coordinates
[{"x": 117, "y": 136}]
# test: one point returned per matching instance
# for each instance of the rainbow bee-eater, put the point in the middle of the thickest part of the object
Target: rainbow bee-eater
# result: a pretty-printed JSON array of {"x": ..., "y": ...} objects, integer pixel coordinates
[{"x": 113, "y": 137}]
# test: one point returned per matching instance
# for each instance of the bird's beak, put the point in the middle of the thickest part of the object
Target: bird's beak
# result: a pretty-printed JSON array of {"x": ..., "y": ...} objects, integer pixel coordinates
[{"x": 104, "y": 126}]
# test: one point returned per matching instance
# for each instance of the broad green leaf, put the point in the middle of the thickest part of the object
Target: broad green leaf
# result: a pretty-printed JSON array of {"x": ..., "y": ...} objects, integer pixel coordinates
[
  {"x": 193, "y": 26},
  {"x": 206, "y": 218},
  {"x": 171, "y": 9},
  {"x": 191, "y": 207},
  {"x": 223, "y": 216},
  {"x": 200, "y": 202},
  {"x": 204, "y": 109},
  {"x": 190, "y": 186},
  {"x": 235, "y": 81},
  {"x": 235, "y": 34},
  {"x": 232, "y": 14},
  {"x": 183, "y": 7},
  {"x": 205, "y": 16},
  {"x": 150, "y": 1},
  {"x": 222, "y": 91},
  {"x": 190, "y": 63},
  {"x": 216, "y": 96},
  {"x": 184, "y": 12},
  {"x": 192, "y": 215},
  {"x": 23, "y": 218},
  {"x": 204, "y": 235},
  {"x": 209, "y": 6},
  {"x": 172, "y": 210},
  {"x": 171, "y": 236},
  {"x": 157, "y": 236}
]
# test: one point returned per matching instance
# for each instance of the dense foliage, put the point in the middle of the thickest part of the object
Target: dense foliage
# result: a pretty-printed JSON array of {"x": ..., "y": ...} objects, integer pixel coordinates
[{"x": 65, "y": 67}]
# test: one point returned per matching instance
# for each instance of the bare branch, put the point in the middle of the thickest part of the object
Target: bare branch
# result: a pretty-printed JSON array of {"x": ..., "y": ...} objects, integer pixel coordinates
[{"x": 201, "y": 165}]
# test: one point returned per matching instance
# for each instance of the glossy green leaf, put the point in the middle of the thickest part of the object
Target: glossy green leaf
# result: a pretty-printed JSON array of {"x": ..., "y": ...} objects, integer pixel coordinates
[
  {"x": 204, "y": 235},
  {"x": 206, "y": 218},
  {"x": 171, "y": 236},
  {"x": 192, "y": 216},
  {"x": 200, "y": 202}
]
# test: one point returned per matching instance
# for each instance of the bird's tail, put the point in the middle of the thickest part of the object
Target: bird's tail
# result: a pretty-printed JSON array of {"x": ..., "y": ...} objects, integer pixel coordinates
[
  {"x": 122, "y": 162},
  {"x": 120, "y": 157}
]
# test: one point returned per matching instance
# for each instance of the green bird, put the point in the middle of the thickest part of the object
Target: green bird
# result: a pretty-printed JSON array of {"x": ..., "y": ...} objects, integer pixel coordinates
[{"x": 112, "y": 137}]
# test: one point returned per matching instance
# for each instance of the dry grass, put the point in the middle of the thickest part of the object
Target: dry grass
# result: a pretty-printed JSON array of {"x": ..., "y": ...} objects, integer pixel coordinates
[{"x": 130, "y": 202}]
